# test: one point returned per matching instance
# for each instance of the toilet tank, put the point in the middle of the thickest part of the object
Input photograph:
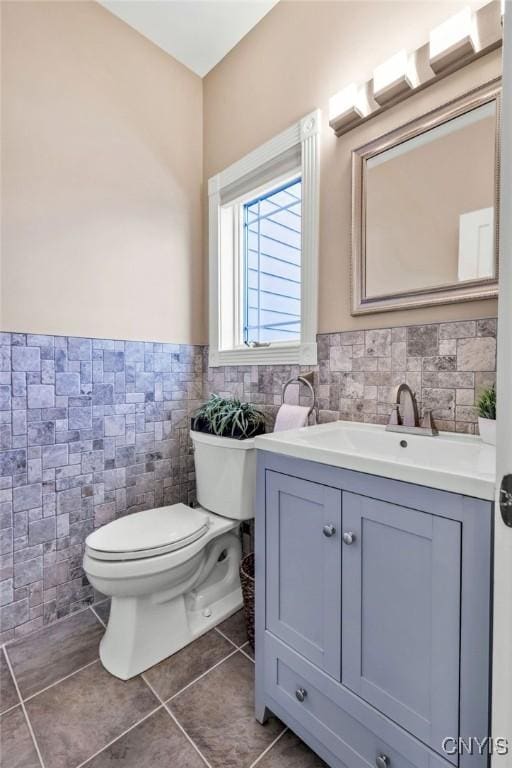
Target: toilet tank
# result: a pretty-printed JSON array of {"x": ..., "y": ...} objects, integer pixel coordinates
[{"x": 225, "y": 475}]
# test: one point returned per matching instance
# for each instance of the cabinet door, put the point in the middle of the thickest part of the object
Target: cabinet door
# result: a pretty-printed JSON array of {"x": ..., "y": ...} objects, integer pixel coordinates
[
  {"x": 303, "y": 568},
  {"x": 401, "y": 614}
]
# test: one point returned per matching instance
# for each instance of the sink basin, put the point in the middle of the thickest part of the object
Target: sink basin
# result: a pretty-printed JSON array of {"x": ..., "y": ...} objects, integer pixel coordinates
[{"x": 450, "y": 462}]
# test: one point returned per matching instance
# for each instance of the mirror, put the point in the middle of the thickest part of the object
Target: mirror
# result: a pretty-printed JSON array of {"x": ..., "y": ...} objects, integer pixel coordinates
[{"x": 425, "y": 205}]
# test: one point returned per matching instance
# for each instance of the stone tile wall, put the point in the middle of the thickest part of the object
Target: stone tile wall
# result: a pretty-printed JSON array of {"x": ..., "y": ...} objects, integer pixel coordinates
[{"x": 92, "y": 429}]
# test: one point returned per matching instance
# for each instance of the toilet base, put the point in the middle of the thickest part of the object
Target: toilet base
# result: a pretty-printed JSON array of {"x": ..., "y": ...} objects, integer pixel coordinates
[
  {"x": 128, "y": 660},
  {"x": 146, "y": 629}
]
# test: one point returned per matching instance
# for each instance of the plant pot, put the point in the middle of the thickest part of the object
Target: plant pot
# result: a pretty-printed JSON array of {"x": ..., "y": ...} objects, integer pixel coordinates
[{"x": 487, "y": 429}]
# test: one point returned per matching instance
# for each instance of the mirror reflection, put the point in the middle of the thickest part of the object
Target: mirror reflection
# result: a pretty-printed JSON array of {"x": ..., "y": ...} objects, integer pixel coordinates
[
  {"x": 430, "y": 207},
  {"x": 425, "y": 210}
]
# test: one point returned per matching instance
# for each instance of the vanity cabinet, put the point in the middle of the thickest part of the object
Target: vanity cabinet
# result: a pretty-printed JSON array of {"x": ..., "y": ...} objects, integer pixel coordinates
[{"x": 373, "y": 605}]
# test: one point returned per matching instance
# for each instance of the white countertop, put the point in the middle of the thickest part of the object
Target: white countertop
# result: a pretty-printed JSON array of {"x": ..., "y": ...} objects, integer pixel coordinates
[{"x": 448, "y": 461}]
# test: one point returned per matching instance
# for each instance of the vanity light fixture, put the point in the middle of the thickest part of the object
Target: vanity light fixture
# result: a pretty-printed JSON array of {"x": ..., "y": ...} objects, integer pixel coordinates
[
  {"x": 348, "y": 106},
  {"x": 454, "y": 39},
  {"x": 458, "y": 41},
  {"x": 394, "y": 77}
]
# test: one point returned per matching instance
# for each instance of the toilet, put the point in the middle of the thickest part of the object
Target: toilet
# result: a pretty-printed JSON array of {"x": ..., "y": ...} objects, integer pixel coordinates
[{"x": 173, "y": 572}]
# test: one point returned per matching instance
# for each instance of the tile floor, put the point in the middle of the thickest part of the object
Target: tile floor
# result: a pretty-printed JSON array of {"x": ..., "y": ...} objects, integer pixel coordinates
[{"x": 61, "y": 709}]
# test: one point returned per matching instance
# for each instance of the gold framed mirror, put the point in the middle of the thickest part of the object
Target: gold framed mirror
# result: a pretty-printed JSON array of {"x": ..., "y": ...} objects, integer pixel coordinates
[{"x": 425, "y": 208}]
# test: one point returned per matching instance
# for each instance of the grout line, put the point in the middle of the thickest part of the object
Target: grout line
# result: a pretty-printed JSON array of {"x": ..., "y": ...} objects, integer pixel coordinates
[
  {"x": 203, "y": 674},
  {"x": 194, "y": 746},
  {"x": 192, "y": 743},
  {"x": 24, "y": 710},
  {"x": 4, "y": 655},
  {"x": 61, "y": 679},
  {"x": 97, "y": 615},
  {"x": 113, "y": 741},
  {"x": 238, "y": 647},
  {"x": 246, "y": 654},
  {"x": 6, "y": 711},
  {"x": 178, "y": 724},
  {"x": 272, "y": 744},
  {"x": 221, "y": 633},
  {"x": 15, "y": 640}
]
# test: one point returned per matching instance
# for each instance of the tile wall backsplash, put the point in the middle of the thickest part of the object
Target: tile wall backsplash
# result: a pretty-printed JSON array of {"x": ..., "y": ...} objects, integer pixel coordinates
[
  {"x": 359, "y": 371},
  {"x": 92, "y": 429}
]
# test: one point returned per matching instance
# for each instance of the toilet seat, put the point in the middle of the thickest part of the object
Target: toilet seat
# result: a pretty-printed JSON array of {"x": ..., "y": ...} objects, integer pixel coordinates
[{"x": 148, "y": 533}]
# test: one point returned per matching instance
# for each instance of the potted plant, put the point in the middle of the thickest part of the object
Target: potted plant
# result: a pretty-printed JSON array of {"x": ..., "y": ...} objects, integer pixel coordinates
[
  {"x": 228, "y": 417},
  {"x": 486, "y": 405}
]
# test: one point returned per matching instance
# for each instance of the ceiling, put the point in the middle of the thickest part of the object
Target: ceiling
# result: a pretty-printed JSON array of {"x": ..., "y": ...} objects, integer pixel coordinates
[{"x": 199, "y": 33}]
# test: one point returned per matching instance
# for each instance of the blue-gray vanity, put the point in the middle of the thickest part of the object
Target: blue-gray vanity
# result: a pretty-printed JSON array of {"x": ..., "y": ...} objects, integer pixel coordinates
[{"x": 373, "y": 607}]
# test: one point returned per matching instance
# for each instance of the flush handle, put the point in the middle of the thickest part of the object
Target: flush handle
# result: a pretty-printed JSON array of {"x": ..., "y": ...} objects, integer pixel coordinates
[
  {"x": 349, "y": 537},
  {"x": 329, "y": 530},
  {"x": 382, "y": 761},
  {"x": 301, "y": 694}
]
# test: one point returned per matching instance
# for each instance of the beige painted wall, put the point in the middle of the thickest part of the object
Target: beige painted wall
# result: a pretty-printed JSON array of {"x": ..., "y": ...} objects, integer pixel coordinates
[
  {"x": 101, "y": 183},
  {"x": 293, "y": 61},
  {"x": 102, "y": 140}
]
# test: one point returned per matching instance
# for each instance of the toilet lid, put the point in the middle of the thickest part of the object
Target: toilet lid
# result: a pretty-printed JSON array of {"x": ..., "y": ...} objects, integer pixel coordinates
[{"x": 148, "y": 533}]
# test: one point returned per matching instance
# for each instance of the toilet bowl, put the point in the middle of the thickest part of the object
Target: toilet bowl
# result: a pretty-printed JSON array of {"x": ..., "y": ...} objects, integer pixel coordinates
[{"x": 173, "y": 572}]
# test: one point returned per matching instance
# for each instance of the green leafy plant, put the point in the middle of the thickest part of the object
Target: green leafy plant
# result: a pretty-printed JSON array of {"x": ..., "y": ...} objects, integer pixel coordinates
[
  {"x": 486, "y": 403},
  {"x": 228, "y": 417}
]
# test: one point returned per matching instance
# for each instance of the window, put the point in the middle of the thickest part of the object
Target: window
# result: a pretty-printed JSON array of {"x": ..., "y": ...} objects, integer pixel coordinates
[
  {"x": 272, "y": 265},
  {"x": 263, "y": 252}
]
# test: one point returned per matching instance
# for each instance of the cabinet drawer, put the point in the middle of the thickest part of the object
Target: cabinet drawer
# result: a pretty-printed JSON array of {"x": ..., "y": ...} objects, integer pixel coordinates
[{"x": 355, "y": 733}]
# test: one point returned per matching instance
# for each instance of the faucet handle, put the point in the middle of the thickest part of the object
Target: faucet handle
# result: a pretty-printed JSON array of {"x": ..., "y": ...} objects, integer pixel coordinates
[
  {"x": 427, "y": 421},
  {"x": 394, "y": 416}
]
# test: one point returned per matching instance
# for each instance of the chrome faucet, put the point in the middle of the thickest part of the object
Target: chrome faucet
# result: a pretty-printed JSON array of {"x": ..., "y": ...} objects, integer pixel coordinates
[{"x": 404, "y": 416}]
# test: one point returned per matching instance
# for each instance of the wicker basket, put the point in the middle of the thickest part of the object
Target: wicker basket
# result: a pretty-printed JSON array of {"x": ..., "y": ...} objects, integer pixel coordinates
[{"x": 247, "y": 580}]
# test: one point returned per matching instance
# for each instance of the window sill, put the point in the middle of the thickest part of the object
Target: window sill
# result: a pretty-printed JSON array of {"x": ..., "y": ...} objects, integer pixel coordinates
[{"x": 296, "y": 354}]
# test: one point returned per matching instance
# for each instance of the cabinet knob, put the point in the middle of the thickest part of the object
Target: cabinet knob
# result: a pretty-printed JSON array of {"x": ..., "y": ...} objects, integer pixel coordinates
[
  {"x": 382, "y": 761},
  {"x": 301, "y": 694},
  {"x": 329, "y": 530},
  {"x": 349, "y": 538}
]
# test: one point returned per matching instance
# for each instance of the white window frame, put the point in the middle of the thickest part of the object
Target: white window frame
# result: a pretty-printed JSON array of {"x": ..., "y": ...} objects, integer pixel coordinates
[{"x": 224, "y": 273}]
